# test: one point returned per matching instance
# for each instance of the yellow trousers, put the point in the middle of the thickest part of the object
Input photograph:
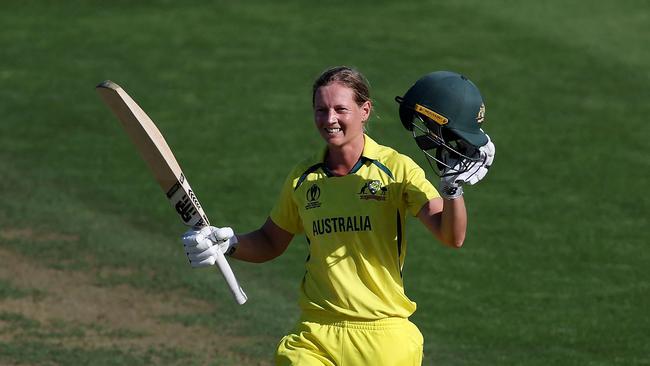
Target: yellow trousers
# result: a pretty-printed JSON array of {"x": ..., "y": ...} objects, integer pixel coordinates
[{"x": 317, "y": 341}]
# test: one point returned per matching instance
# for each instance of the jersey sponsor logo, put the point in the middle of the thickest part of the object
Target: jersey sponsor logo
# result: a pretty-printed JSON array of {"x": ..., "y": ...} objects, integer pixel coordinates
[
  {"x": 312, "y": 195},
  {"x": 341, "y": 224},
  {"x": 373, "y": 190}
]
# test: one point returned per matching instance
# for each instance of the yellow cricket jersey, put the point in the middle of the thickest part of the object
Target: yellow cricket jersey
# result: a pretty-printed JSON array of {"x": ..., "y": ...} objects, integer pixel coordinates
[{"x": 354, "y": 225}]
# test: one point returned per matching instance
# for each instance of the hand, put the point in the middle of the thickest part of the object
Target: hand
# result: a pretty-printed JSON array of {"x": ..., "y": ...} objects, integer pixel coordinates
[
  {"x": 451, "y": 184},
  {"x": 202, "y": 245}
]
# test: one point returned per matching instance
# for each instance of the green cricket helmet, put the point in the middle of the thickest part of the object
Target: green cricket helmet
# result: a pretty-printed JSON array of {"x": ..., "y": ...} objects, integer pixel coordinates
[{"x": 445, "y": 110}]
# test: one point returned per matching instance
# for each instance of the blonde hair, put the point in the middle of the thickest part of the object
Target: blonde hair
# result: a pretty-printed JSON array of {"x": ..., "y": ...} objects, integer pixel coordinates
[{"x": 348, "y": 77}]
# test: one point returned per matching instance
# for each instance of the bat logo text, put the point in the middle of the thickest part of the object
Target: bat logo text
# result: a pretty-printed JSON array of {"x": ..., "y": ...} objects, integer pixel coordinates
[
  {"x": 185, "y": 208},
  {"x": 194, "y": 199}
]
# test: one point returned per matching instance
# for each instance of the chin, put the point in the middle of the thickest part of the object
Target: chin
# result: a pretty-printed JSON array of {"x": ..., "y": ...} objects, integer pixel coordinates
[{"x": 334, "y": 140}]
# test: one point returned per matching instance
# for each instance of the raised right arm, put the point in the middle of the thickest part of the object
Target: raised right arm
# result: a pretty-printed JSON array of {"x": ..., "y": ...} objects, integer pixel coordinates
[{"x": 263, "y": 244}]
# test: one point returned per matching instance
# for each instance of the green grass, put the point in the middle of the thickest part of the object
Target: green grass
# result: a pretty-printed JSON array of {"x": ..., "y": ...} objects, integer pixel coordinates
[
  {"x": 37, "y": 353},
  {"x": 555, "y": 268},
  {"x": 9, "y": 291},
  {"x": 40, "y": 343}
]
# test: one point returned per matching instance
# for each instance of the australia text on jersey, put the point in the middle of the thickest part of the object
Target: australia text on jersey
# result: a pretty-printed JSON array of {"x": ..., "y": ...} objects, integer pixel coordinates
[{"x": 341, "y": 224}]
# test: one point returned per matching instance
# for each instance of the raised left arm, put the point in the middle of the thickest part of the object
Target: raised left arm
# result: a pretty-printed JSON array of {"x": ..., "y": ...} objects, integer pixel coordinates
[{"x": 446, "y": 219}]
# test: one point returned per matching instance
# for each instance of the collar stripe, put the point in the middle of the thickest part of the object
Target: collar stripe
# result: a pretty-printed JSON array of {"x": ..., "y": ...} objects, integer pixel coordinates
[
  {"x": 362, "y": 160},
  {"x": 383, "y": 168},
  {"x": 304, "y": 175}
]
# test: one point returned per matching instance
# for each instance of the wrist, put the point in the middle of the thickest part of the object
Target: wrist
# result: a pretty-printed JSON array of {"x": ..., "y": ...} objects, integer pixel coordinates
[
  {"x": 450, "y": 191},
  {"x": 232, "y": 246}
]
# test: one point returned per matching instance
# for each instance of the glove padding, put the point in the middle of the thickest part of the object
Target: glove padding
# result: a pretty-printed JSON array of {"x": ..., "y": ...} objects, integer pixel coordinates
[
  {"x": 451, "y": 184},
  {"x": 202, "y": 245}
]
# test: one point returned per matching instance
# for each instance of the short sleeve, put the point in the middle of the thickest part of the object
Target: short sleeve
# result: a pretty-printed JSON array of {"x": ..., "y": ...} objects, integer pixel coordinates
[
  {"x": 418, "y": 190},
  {"x": 285, "y": 212}
]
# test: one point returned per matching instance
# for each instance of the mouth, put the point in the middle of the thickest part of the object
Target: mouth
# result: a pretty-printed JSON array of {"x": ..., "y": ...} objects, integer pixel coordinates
[{"x": 332, "y": 131}]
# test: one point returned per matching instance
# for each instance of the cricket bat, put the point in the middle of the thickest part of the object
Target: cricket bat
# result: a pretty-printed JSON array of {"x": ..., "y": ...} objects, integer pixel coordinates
[{"x": 161, "y": 161}]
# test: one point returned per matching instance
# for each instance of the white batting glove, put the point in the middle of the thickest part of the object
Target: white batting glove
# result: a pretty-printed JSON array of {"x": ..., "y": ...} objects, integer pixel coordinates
[
  {"x": 451, "y": 186},
  {"x": 202, "y": 245}
]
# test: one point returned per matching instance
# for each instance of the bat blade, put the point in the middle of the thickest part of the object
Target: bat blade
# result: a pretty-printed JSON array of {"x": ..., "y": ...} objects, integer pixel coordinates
[
  {"x": 156, "y": 152},
  {"x": 161, "y": 161}
]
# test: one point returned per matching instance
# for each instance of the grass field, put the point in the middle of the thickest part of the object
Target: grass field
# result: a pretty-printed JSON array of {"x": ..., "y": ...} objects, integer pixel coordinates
[{"x": 555, "y": 267}]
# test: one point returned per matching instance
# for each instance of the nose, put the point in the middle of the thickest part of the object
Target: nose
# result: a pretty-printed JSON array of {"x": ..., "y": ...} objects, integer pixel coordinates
[{"x": 331, "y": 116}]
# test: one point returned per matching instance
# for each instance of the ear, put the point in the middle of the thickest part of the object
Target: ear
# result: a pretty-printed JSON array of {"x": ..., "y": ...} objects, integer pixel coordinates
[{"x": 366, "y": 108}]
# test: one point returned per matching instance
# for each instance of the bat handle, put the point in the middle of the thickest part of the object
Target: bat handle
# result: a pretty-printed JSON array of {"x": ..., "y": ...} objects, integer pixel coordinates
[{"x": 229, "y": 276}]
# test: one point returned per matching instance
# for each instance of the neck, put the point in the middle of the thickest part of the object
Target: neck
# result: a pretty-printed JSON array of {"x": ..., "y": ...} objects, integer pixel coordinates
[{"x": 341, "y": 159}]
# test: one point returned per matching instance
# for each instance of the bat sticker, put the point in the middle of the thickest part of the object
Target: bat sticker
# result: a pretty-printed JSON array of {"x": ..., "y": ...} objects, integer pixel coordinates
[{"x": 185, "y": 209}]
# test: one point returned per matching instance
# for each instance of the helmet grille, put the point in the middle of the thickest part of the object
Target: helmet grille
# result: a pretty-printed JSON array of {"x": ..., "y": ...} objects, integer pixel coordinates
[{"x": 445, "y": 151}]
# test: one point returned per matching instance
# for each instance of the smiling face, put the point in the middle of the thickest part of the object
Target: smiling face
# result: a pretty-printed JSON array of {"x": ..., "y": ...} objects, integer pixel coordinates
[{"x": 338, "y": 116}]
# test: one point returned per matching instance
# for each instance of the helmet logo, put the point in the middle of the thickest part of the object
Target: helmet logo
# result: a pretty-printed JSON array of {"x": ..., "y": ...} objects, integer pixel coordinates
[
  {"x": 480, "y": 117},
  {"x": 438, "y": 118}
]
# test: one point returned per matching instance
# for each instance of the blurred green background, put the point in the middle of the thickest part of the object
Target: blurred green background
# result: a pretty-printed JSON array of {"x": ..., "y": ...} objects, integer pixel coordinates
[{"x": 555, "y": 265}]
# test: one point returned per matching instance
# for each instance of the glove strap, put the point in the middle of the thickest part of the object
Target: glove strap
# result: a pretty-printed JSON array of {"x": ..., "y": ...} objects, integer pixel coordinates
[
  {"x": 230, "y": 251},
  {"x": 450, "y": 191},
  {"x": 233, "y": 246}
]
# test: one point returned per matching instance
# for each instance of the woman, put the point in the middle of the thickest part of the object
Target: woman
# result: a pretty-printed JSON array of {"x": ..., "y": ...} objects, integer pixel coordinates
[{"x": 350, "y": 200}]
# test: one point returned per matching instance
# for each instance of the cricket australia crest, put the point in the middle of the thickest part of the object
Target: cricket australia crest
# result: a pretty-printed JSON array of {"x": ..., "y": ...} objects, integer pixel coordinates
[{"x": 373, "y": 190}]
